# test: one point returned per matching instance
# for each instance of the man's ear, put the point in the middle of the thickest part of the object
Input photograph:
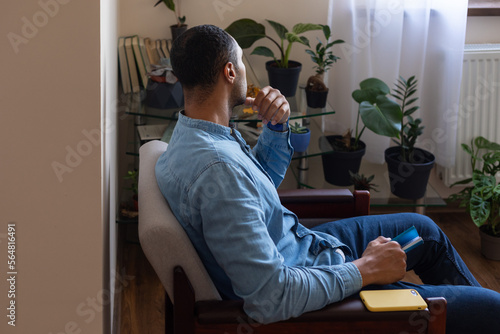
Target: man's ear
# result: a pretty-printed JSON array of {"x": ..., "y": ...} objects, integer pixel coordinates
[{"x": 230, "y": 72}]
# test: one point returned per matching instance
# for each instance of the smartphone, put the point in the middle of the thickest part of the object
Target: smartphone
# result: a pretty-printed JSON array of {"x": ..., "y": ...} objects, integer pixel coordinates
[{"x": 392, "y": 300}]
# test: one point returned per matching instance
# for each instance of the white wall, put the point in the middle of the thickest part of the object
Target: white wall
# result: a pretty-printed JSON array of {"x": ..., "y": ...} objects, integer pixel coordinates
[
  {"x": 482, "y": 29},
  {"x": 50, "y": 96}
]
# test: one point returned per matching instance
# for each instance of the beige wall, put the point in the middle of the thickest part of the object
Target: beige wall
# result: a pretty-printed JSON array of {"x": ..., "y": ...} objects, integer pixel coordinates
[
  {"x": 482, "y": 30},
  {"x": 50, "y": 96}
]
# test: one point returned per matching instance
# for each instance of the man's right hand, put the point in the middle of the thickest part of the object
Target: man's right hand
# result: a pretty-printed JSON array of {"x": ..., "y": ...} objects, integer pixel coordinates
[{"x": 382, "y": 262}]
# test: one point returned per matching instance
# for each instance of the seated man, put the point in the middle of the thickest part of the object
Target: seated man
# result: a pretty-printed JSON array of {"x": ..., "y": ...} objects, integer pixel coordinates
[{"x": 224, "y": 195}]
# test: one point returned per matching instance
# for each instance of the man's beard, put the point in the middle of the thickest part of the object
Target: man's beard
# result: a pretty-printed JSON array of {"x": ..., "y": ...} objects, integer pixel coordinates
[{"x": 239, "y": 93}]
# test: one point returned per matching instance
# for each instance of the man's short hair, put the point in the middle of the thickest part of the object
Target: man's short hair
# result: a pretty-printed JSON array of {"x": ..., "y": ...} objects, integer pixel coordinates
[{"x": 200, "y": 53}]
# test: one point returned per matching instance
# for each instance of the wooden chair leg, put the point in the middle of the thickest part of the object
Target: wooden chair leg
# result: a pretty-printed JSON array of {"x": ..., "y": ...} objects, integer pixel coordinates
[
  {"x": 184, "y": 320},
  {"x": 169, "y": 315},
  {"x": 437, "y": 320}
]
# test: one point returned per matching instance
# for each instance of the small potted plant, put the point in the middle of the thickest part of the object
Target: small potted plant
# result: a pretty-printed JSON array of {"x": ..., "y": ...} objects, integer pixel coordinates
[
  {"x": 378, "y": 113},
  {"x": 482, "y": 199},
  {"x": 362, "y": 182},
  {"x": 283, "y": 73},
  {"x": 178, "y": 28},
  {"x": 299, "y": 137},
  {"x": 316, "y": 90},
  {"x": 409, "y": 167},
  {"x": 133, "y": 175}
]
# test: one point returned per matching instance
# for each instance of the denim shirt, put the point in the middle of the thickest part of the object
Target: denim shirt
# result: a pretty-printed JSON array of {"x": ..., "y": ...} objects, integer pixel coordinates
[{"x": 224, "y": 195}]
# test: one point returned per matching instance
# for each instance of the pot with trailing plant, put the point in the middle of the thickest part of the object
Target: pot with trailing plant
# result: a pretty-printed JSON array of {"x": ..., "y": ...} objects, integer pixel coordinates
[
  {"x": 178, "y": 28},
  {"x": 378, "y": 113},
  {"x": 299, "y": 137},
  {"x": 283, "y": 73},
  {"x": 316, "y": 90},
  {"x": 482, "y": 199},
  {"x": 409, "y": 167}
]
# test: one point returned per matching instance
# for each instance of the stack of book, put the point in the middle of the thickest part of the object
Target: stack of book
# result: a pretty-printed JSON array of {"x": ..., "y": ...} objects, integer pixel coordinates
[{"x": 135, "y": 57}]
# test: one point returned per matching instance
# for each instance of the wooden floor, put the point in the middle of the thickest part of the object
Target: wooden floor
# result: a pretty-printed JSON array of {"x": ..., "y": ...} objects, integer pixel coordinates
[{"x": 140, "y": 305}]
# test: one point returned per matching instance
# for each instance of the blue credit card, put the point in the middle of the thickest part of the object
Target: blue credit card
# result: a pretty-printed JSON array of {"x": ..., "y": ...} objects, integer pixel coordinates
[{"x": 409, "y": 239}]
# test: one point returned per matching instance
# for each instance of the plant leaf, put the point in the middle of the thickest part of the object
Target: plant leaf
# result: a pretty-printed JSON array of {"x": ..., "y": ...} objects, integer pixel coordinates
[
  {"x": 292, "y": 38},
  {"x": 466, "y": 181},
  {"x": 467, "y": 148},
  {"x": 300, "y": 28},
  {"x": 479, "y": 209},
  {"x": 246, "y": 32},
  {"x": 327, "y": 32},
  {"x": 370, "y": 89},
  {"x": 280, "y": 29},
  {"x": 483, "y": 143},
  {"x": 263, "y": 51},
  {"x": 383, "y": 118}
]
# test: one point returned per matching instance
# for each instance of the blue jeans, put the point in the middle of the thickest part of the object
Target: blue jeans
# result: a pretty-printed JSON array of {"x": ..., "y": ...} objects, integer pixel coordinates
[{"x": 471, "y": 308}]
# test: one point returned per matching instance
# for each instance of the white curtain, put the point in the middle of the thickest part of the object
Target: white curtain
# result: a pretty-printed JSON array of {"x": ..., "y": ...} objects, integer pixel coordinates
[{"x": 388, "y": 38}]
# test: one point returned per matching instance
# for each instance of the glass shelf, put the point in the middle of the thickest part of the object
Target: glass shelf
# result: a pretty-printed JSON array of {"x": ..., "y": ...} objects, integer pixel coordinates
[
  {"x": 306, "y": 171},
  {"x": 298, "y": 107},
  {"x": 246, "y": 122}
]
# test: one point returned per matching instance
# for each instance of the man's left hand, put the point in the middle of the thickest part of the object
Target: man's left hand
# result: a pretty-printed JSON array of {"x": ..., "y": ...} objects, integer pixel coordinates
[{"x": 271, "y": 104}]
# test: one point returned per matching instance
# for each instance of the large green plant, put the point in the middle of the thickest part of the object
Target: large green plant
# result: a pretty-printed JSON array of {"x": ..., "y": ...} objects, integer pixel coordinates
[
  {"x": 378, "y": 113},
  {"x": 171, "y": 5},
  {"x": 482, "y": 199},
  {"x": 247, "y": 31},
  {"x": 410, "y": 127}
]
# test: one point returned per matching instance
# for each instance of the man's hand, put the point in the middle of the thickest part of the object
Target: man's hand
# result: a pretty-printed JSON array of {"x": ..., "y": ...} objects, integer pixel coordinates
[
  {"x": 271, "y": 104},
  {"x": 382, "y": 262}
]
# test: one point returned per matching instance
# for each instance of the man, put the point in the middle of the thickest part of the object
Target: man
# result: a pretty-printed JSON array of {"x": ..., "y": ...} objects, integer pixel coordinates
[{"x": 224, "y": 195}]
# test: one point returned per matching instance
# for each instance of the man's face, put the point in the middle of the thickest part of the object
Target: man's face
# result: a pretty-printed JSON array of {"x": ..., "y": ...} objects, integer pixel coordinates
[{"x": 239, "y": 93}]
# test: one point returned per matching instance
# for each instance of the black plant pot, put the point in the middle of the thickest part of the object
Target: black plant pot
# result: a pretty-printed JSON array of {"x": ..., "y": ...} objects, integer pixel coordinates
[
  {"x": 490, "y": 244},
  {"x": 316, "y": 99},
  {"x": 177, "y": 30},
  {"x": 409, "y": 180},
  {"x": 284, "y": 79},
  {"x": 336, "y": 165}
]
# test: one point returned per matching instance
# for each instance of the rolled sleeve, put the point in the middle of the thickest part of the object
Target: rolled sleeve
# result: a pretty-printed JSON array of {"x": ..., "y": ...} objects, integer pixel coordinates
[{"x": 274, "y": 152}]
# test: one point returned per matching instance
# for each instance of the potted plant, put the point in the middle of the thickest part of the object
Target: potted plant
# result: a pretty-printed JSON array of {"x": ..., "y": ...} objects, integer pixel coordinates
[
  {"x": 316, "y": 90},
  {"x": 178, "y": 28},
  {"x": 409, "y": 167},
  {"x": 283, "y": 73},
  {"x": 482, "y": 199},
  {"x": 378, "y": 113},
  {"x": 362, "y": 182},
  {"x": 299, "y": 137},
  {"x": 133, "y": 175}
]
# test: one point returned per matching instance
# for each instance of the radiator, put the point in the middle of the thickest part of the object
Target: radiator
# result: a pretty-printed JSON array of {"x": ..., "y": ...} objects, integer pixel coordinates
[{"x": 479, "y": 108}]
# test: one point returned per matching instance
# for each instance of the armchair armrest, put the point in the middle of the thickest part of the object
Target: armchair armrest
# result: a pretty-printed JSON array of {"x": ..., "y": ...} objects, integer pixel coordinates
[{"x": 326, "y": 203}]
